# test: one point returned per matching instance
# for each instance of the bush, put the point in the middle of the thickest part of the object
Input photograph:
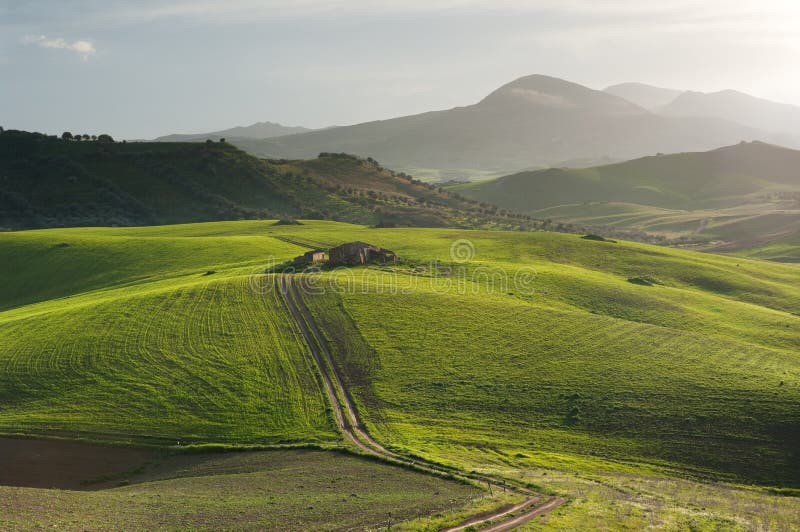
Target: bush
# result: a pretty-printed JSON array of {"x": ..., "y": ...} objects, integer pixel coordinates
[{"x": 597, "y": 238}]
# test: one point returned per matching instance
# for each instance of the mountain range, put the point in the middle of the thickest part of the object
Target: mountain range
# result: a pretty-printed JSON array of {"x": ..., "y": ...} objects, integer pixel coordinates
[
  {"x": 533, "y": 122},
  {"x": 780, "y": 119}
]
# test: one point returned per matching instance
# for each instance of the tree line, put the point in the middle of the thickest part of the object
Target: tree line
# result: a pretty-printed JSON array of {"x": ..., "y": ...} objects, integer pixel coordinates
[{"x": 103, "y": 137}]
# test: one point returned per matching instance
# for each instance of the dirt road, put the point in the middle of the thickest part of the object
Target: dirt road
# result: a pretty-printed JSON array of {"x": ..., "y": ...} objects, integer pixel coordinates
[{"x": 348, "y": 421}]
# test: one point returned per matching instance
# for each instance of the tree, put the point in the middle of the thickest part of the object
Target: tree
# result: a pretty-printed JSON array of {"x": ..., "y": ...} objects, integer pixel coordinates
[
  {"x": 86, "y": 137},
  {"x": 222, "y": 139},
  {"x": 94, "y": 137},
  {"x": 105, "y": 138},
  {"x": 66, "y": 135}
]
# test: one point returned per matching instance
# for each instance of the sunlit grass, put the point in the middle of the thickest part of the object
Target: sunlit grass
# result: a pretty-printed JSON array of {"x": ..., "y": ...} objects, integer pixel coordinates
[{"x": 598, "y": 382}]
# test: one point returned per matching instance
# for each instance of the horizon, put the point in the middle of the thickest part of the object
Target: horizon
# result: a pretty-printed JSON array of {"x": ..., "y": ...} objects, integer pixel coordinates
[{"x": 147, "y": 69}]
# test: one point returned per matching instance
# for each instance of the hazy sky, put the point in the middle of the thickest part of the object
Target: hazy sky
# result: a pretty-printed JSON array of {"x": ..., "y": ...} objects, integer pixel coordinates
[{"x": 144, "y": 68}]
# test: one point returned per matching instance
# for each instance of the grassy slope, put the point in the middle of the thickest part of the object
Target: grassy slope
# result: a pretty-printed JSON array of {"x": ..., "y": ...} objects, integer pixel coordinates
[
  {"x": 785, "y": 249},
  {"x": 276, "y": 490},
  {"x": 699, "y": 372},
  {"x": 678, "y": 376},
  {"x": 167, "y": 353}
]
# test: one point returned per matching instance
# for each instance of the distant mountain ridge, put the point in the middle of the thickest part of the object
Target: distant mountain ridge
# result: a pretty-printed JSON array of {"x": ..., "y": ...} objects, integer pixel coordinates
[
  {"x": 647, "y": 96},
  {"x": 781, "y": 121},
  {"x": 741, "y": 108},
  {"x": 535, "y": 121},
  {"x": 259, "y": 130}
]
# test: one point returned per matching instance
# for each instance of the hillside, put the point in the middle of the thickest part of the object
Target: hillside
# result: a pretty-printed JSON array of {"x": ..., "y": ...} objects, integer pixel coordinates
[
  {"x": 532, "y": 122},
  {"x": 734, "y": 197},
  {"x": 50, "y": 182},
  {"x": 174, "y": 333},
  {"x": 259, "y": 130},
  {"x": 723, "y": 177}
]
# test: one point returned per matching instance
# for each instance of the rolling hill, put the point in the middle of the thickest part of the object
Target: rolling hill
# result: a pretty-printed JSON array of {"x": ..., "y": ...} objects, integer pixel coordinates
[
  {"x": 633, "y": 399},
  {"x": 48, "y": 182},
  {"x": 531, "y": 122},
  {"x": 259, "y": 130},
  {"x": 719, "y": 178},
  {"x": 738, "y": 197}
]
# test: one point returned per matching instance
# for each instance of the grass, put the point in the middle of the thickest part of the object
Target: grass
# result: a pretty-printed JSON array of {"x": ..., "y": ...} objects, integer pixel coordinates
[
  {"x": 699, "y": 371},
  {"x": 152, "y": 348},
  {"x": 558, "y": 380},
  {"x": 785, "y": 249},
  {"x": 201, "y": 361},
  {"x": 598, "y": 382},
  {"x": 608, "y": 495},
  {"x": 275, "y": 490}
]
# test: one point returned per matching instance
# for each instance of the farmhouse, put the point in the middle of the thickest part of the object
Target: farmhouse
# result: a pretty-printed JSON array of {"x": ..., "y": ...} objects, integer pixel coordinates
[
  {"x": 310, "y": 257},
  {"x": 355, "y": 253}
]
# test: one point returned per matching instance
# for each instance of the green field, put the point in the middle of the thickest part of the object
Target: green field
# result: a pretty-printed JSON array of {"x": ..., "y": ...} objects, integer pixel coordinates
[
  {"x": 619, "y": 395},
  {"x": 146, "y": 346},
  {"x": 699, "y": 371}
]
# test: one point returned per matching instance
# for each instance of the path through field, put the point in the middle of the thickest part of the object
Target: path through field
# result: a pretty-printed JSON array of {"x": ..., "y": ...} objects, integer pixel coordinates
[{"x": 348, "y": 422}]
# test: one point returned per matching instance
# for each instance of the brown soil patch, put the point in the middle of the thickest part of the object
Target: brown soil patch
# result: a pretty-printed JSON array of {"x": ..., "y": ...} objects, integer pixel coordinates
[{"x": 66, "y": 465}]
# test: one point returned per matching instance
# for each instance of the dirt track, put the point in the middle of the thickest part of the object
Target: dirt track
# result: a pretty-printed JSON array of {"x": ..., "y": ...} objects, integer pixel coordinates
[{"x": 348, "y": 422}]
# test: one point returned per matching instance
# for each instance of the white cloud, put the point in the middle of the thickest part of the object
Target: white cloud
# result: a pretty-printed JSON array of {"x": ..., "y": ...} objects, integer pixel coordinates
[{"x": 82, "y": 48}]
